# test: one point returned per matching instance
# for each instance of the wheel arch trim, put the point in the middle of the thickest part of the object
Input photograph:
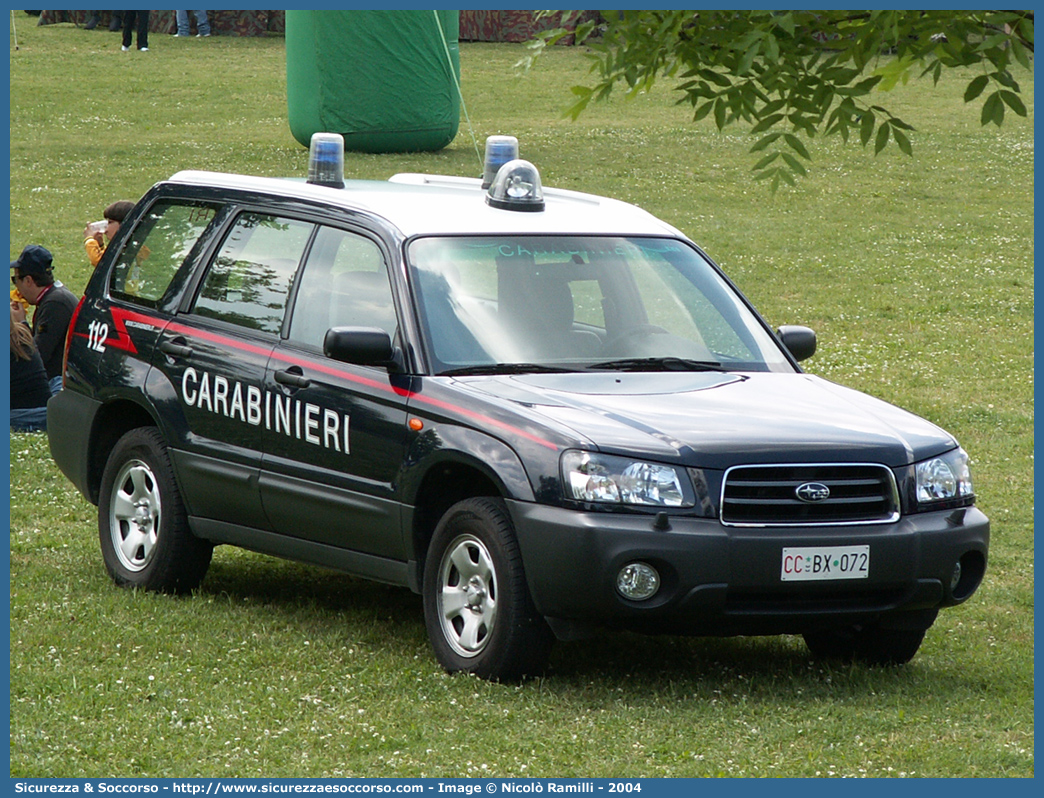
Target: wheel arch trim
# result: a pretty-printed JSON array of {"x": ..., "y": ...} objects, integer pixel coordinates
[
  {"x": 129, "y": 412},
  {"x": 463, "y": 447}
]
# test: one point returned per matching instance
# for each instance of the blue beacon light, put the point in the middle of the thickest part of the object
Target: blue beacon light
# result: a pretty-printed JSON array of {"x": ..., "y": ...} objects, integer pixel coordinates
[
  {"x": 326, "y": 160},
  {"x": 499, "y": 150}
]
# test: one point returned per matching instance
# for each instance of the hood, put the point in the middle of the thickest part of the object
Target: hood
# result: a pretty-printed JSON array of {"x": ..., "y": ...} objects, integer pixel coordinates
[{"x": 716, "y": 420}]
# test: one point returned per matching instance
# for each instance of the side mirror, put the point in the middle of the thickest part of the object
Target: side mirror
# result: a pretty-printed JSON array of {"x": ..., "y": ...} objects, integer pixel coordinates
[
  {"x": 799, "y": 341},
  {"x": 363, "y": 346}
]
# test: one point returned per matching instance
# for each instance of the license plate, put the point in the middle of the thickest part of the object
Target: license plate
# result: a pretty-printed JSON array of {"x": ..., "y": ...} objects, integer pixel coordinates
[{"x": 825, "y": 562}]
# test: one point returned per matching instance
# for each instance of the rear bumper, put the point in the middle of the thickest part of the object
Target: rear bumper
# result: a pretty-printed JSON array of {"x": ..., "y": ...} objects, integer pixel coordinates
[
  {"x": 718, "y": 580},
  {"x": 70, "y": 419}
]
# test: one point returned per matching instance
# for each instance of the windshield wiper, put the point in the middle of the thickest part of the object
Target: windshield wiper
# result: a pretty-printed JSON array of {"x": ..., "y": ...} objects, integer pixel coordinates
[
  {"x": 504, "y": 368},
  {"x": 658, "y": 364}
]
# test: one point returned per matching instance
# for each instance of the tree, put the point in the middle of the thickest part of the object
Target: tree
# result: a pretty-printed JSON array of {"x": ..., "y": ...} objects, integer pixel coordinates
[{"x": 793, "y": 75}]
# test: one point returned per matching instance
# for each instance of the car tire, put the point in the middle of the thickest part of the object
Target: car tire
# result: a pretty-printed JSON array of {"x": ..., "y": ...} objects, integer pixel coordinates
[
  {"x": 871, "y": 644},
  {"x": 142, "y": 524},
  {"x": 477, "y": 608},
  {"x": 832, "y": 644}
]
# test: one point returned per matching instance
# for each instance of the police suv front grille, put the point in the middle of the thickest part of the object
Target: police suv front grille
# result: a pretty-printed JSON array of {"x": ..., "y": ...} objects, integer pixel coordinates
[{"x": 781, "y": 495}]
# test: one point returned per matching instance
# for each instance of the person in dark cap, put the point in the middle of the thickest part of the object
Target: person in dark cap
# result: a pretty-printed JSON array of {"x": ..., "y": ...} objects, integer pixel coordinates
[
  {"x": 33, "y": 276},
  {"x": 96, "y": 235}
]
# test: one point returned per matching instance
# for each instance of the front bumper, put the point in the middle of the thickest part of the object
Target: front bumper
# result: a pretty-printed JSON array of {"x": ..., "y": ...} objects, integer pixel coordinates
[{"x": 718, "y": 580}]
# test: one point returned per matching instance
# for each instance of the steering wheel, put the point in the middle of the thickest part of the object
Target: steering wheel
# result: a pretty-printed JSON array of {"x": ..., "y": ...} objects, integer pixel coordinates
[{"x": 637, "y": 331}]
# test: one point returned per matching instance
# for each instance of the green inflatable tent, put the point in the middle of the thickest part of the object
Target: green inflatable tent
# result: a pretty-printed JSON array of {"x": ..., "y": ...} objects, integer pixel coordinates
[{"x": 385, "y": 80}]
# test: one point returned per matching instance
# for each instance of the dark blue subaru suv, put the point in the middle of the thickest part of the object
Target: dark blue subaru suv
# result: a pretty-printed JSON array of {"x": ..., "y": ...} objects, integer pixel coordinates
[{"x": 544, "y": 411}]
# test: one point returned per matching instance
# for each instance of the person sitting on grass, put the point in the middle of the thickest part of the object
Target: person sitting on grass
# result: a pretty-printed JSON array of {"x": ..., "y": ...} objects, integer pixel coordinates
[
  {"x": 33, "y": 275},
  {"x": 29, "y": 388}
]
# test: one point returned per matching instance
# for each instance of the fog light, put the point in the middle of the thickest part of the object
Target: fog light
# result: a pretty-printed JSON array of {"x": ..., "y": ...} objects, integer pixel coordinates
[
  {"x": 637, "y": 581},
  {"x": 955, "y": 578},
  {"x": 967, "y": 575}
]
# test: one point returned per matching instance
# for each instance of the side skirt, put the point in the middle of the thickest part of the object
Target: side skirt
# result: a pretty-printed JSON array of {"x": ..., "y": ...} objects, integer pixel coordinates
[{"x": 367, "y": 566}]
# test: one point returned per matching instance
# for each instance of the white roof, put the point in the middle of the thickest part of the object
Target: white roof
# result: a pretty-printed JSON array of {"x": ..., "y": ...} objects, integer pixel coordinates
[{"x": 424, "y": 204}]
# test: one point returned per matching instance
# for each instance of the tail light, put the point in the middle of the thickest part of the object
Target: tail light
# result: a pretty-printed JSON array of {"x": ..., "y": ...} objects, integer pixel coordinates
[{"x": 69, "y": 337}]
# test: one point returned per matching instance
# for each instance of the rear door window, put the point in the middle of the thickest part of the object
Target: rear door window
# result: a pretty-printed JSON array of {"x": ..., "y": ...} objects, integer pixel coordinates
[
  {"x": 158, "y": 246},
  {"x": 251, "y": 276}
]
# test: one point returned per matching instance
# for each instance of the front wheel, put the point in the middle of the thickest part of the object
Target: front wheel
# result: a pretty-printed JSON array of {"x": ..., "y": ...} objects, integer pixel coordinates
[
  {"x": 477, "y": 608},
  {"x": 142, "y": 525}
]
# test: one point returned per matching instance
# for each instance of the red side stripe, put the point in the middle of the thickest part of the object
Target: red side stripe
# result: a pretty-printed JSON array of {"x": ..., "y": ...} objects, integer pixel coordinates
[{"x": 324, "y": 368}]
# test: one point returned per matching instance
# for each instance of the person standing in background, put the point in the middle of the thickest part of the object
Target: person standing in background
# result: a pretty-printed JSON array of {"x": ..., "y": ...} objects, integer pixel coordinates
[
  {"x": 142, "y": 20},
  {"x": 202, "y": 24},
  {"x": 95, "y": 17}
]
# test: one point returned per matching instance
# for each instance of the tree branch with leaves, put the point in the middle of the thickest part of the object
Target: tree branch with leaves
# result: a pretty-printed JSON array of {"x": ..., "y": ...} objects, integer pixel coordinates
[{"x": 795, "y": 75}]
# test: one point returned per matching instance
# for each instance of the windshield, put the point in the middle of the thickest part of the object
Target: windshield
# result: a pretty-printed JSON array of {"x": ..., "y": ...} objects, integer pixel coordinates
[{"x": 519, "y": 303}]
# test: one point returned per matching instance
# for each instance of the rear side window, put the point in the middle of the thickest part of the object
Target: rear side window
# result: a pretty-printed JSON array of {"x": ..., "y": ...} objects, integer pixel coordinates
[
  {"x": 157, "y": 248},
  {"x": 250, "y": 278}
]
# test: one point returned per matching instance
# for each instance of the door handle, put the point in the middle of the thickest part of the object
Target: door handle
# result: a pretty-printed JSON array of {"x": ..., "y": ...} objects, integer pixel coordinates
[
  {"x": 176, "y": 347},
  {"x": 292, "y": 377}
]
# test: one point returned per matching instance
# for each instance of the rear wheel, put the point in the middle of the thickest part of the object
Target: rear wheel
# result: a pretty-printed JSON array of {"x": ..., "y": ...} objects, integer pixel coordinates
[
  {"x": 142, "y": 525},
  {"x": 870, "y": 644},
  {"x": 477, "y": 608}
]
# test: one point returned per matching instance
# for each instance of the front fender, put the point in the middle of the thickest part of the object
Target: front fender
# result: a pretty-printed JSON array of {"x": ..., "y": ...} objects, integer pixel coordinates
[{"x": 464, "y": 446}]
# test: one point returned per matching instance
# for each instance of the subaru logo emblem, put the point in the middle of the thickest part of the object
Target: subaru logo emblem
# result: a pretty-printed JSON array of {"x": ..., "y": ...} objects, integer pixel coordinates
[{"x": 812, "y": 492}]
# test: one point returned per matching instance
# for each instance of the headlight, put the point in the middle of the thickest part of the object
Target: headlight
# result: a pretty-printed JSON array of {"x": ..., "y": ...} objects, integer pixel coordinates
[
  {"x": 944, "y": 480},
  {"x": 591, "y": 477}
]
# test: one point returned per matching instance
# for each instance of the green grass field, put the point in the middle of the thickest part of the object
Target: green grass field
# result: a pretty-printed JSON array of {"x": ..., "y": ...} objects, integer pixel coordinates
[{"x": 916, "y": 273}]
